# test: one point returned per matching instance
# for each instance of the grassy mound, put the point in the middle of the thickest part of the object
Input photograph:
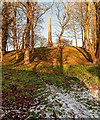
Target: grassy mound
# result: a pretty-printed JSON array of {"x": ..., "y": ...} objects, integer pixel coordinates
[
  {"x": 73, "y": 62},
  {"x": 52, "y": 56},
  {"x": 24, "y": 86}
]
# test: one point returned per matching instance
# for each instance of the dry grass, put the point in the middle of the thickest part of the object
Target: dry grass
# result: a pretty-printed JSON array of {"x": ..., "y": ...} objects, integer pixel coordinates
[{"x": 51, "y": 56}]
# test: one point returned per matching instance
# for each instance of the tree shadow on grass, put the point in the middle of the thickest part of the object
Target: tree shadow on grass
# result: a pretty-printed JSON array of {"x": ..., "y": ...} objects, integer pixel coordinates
[
  {"x": 41, "y": 53},
  {"x": 85, "y": 53},
  {"x": 20, "y": 58},
  {"x": 44, "y": 54},
  {"x": 60, "y": 60}
]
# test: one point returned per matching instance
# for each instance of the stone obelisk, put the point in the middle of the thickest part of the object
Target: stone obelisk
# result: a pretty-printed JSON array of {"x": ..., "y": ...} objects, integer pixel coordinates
[{"x": 49, "y": 42}]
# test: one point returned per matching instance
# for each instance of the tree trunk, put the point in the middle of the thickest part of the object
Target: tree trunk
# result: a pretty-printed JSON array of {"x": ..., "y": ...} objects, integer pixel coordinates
[
  {"x": 60, "y": 37},
  {"x": 32, "y": 29},
  {"x": 74, "y": 30},
  {"x": 26, "y": 55},
  {"x": 15, "y": 36},
  {"x": 0, "y": 46},
  {"x": 23, "y": 37},
  {"x": 87, "y": 43},
  {"x": 5, "y": 23},
  {"x": 97, "y": 6},
  {"x": 82, "y": 26},
  {"x": 90, "y": 46},
  {"x": 22, "y": 48},
  {"x": 32, "y": 39},
  {"x": 82, "y": 31},
  {"x": 94, "y": 36}
]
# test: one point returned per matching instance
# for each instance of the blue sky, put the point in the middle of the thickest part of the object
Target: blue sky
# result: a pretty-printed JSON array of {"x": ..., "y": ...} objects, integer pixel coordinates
[
  {"x": 54, "y": 28},
  {"x": 54, "y": 25},
  {"x": 45, "y": 24}
]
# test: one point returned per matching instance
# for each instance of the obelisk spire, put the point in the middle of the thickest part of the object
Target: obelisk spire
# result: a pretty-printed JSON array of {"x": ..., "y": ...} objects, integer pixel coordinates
[{"x": 49, "y": 42}]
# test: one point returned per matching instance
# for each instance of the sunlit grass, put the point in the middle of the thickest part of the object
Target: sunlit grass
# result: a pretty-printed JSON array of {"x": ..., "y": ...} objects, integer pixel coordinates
[{"x": 47, "y": 64}]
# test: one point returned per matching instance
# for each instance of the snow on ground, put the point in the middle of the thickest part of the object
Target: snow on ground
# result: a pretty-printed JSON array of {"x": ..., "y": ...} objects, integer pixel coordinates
[
  {"x": 62, "y": 104},
  {"x": 79, "y": 103}
]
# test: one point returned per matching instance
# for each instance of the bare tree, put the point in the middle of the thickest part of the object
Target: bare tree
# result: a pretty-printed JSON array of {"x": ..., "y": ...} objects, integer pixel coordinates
[
  {"x": 15, "y": 32},
  {"x": 40, "y": 41},
  {"x": 74, "y": 31},
  {"x": 97, "y": 7},
  {"x": 31, "y": 8},
  {"x": 26, "y": 56},
  {"x": 86, "y": 27},
  {"x": 6, "y": 21},
  {"x": 77, "y": 18},
  {"x": 63, "y": 16}
]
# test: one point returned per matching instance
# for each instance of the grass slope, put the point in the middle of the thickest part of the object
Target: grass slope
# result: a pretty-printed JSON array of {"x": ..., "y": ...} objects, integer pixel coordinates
[
  {"x": 23, "y": 84},
  {"x": 53, "y": 56},
  {"x": 72, "y": 61}
]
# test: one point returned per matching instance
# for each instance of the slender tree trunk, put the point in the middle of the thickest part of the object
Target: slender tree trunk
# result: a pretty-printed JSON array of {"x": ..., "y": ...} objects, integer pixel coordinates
[
  {"x": 60, "y": 37},
  {"x": 86, "y": 37},
  {"x": 1, "y": 45},
  {"x": 74, "y": 30},
  {"x": 82, "y": 31},
  {"x": 22, "y": 48},
  {"x": 5, "y": 24},
  {"x": 87, "y": 43},
  {"x": 6, "y": 21},
  {"x": 15, "y": 36},
  {"x": 23, "y": 37},
  {"x": 82, "y": 26},
  {"x": 32, "y": 40},
  {"x": 32, "y": 28},
  {"x": 26, "y": 55}
]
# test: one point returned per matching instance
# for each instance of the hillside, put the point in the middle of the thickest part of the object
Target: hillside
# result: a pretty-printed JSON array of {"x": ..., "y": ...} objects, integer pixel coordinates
[
  {"x": 51, "y": 56},
  {"x": 73, "y": 62},
  {"x": 41, "y": 90}
]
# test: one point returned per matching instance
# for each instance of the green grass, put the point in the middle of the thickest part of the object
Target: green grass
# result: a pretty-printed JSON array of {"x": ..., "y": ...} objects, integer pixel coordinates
[
  {"x": 28, "y": 82},
  {"x": 24, "y": 81},
  {"x": 11, "y": 98},
  {"x": 34, "y": 116},
  {"x": 86, "y": 73},
  {"x": 72, "y": 73},
  {"x": 25, "y": 94},
  {"x": 75, "y": 73},
  {"x": 53, "y": 78},
  {"x": 72, "y": 68}
]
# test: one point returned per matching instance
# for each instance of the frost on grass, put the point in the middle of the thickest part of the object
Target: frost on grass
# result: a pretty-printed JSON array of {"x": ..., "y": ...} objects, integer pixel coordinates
[{"x": 74, "y": 104}]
